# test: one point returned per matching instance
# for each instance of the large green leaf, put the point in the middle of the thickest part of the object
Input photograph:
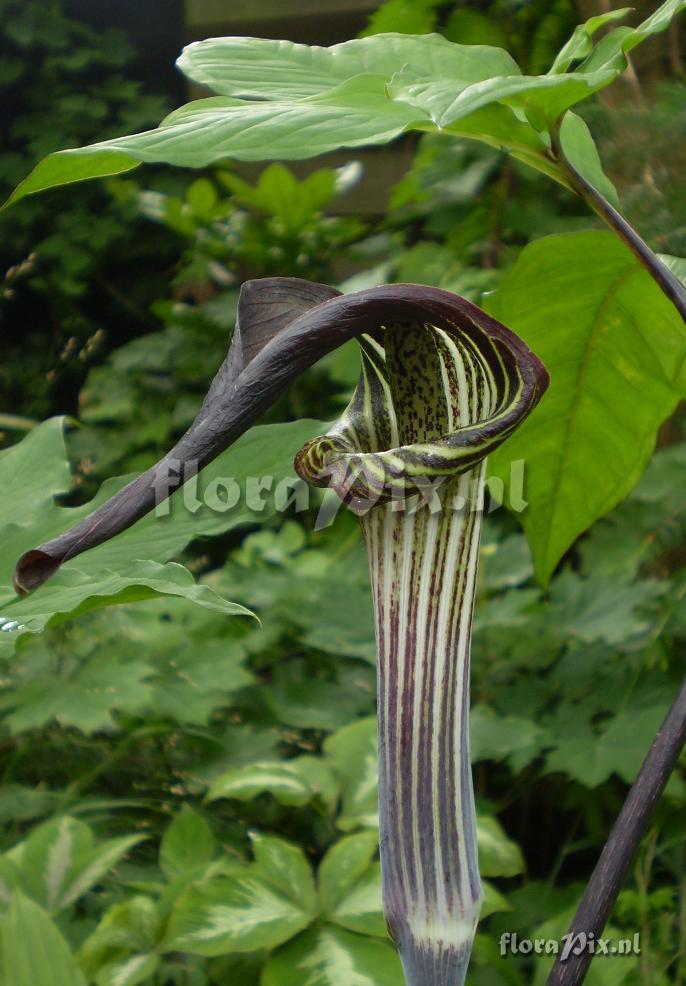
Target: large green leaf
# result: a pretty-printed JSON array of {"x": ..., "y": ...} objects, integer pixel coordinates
[
  {"x": 303, "y": 115},
  {"x": 615, "y": 349},
  {"x": 263, "y": 69},
  {"x": 298, "y": 101},
  {"x": 270, "y": 902},
  {"x": 129, "y": 567},
  {"x": 331, "y": 956},
  {"x": 355, "y": 114},
  {"x": 34, "y": 953},
  {"x": 72, "y": 593}
]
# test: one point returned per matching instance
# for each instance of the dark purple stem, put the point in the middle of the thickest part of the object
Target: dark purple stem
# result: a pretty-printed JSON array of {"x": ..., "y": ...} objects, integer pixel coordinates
[
  {"x": 625, "y": 837},
  {"x": 667, "y": 281}
]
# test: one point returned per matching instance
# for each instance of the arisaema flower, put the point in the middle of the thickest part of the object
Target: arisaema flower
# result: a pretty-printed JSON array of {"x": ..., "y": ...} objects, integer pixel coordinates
[{"x": 442, "y": 384}]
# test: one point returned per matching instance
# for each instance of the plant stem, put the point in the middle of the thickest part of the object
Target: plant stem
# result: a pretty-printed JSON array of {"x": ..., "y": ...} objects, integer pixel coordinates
[
  {"x": 666, "y": 280},
  {"x": 625, "y": 837}
]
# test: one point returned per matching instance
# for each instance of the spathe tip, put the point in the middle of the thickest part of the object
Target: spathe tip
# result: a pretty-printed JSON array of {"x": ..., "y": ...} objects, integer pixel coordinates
[{"x": 33, "y": 569}]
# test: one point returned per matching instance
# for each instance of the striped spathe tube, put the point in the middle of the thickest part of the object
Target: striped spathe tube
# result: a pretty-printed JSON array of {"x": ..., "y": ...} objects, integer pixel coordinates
[{"x": 408, "y": 455}]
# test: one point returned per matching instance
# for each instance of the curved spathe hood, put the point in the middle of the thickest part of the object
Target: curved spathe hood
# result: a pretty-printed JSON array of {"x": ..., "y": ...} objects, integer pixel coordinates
[{"x": 284, "y": 326}]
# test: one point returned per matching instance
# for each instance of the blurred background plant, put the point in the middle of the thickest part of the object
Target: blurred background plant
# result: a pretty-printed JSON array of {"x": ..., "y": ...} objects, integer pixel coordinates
[
  {"x": 188, "y": 798},
  {"x": 68, "y": 277}
]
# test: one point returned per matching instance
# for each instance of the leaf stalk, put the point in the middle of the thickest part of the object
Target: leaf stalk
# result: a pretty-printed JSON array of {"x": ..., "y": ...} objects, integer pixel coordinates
[
  {"x": 621, "y": 847},
  {"x": 667, "y": 281}
]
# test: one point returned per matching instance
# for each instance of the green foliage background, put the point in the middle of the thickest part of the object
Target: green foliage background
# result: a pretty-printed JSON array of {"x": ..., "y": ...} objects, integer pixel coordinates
[{"x": 187, "y": 795}]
